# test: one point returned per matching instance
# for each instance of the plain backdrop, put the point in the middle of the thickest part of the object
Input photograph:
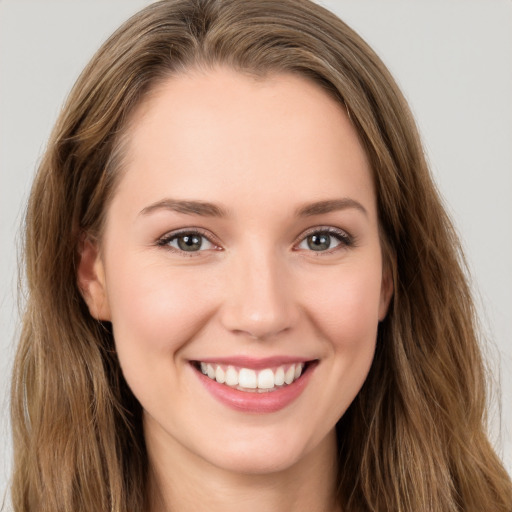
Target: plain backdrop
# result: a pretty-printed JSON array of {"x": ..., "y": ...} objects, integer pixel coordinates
[{"x": 453, "y": 60}]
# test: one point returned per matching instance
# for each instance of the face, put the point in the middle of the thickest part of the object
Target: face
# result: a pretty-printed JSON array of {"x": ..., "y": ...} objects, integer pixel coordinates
[{"x": 241, "y": 268}]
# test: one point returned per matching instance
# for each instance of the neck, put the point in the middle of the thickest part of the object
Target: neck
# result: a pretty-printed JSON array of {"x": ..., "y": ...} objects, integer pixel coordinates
[{"x": 183, "y": 482}]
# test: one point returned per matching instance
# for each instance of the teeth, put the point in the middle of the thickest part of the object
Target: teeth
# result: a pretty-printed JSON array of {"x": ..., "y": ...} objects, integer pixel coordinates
[
  {"x": 266, "y": 379},
  {"x": 289, "y": 375},
  {"x": 231, "y": 376},
  {"x": 279, "y": 376},
  {"x": 248, "y": 379},
  {"x": 220, "y": 375}
]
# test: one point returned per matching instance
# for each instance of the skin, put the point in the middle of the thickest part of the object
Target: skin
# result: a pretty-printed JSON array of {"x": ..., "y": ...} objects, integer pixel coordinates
[{"x": 259, "y": 149}]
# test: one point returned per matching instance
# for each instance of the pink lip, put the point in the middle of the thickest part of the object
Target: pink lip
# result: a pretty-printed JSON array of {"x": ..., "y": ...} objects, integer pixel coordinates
[
  {"x": 267, "y": 402},
  {"x": 254, "y": 363}
]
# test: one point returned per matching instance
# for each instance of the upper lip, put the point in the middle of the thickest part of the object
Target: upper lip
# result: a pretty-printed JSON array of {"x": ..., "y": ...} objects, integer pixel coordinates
[{"x": 255, "y": 363}]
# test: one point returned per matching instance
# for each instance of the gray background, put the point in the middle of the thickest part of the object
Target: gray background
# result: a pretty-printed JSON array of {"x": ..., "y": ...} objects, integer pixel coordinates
[{"x": 453, "y": 60}]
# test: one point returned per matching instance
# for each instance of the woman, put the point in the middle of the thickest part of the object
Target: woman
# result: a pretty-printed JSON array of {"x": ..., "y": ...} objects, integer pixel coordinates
[{"x": 243, "y": 289}]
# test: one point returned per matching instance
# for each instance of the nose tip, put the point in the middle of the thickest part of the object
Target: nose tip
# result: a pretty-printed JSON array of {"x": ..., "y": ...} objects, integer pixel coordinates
[
  {"x": 258, "y": 327},
  {"x": 259, "y": 302}
]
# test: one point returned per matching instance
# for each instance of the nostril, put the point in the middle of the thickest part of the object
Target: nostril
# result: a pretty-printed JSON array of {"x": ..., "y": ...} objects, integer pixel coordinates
[{"x": 261, "y": 335}]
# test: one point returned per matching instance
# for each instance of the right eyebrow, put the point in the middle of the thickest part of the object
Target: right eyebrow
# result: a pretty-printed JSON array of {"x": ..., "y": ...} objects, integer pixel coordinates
[{"x": 201, "y": 208}]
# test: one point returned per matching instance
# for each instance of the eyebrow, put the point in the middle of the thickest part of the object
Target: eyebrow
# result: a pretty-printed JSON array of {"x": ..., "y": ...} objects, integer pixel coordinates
[
  {"x": 202, "y": 208},
  {"x": 206, "y": 209},
  {"x": 331, "y": 205}
]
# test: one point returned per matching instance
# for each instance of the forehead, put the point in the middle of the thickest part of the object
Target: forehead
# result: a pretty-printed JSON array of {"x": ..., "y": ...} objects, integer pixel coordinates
[{"x": 228, "y": 136}]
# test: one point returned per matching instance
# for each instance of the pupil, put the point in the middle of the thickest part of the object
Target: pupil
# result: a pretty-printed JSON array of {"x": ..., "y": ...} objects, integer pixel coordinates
[
  {"x": 319, "y": 242},
  {"x": 189, "y": 242}
]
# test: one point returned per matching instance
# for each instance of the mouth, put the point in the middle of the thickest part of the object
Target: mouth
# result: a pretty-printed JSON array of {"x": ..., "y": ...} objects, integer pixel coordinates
[
  {"x": 254, "y": 380},
  {"x": 255, "y": 386}
]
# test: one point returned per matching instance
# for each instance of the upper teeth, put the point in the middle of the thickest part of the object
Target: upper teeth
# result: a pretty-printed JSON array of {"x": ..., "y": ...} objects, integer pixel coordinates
[{"x": 247, "y": 378}]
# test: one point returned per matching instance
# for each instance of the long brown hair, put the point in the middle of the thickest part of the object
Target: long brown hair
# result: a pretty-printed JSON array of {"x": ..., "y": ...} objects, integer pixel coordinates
[{"x": 413, "y": 439}]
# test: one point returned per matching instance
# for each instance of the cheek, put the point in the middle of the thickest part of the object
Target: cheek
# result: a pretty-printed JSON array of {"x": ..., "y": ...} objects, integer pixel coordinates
[
  {"x": 156, "y": 310},
  {"x": 345, "y": 307},
  {"x": 155, "y": 313}
]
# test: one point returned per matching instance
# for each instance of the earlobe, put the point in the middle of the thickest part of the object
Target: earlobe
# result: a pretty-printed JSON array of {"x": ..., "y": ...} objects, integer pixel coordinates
[
  {"x": 91, "y": 279},
  {"x": 386, "y": 293}
]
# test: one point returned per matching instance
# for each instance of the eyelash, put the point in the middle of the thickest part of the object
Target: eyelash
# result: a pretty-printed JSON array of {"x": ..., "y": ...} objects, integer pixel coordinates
[
  {"x": 345, "y": 240},
  {"x": 175, "y": 235}
]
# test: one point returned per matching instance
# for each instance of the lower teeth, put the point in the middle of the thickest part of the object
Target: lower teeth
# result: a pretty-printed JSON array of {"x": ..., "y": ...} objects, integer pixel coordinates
[{"x": 255, "y": 390}]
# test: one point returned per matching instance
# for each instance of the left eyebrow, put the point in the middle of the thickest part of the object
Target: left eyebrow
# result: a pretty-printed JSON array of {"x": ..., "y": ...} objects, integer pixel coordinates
[{"x": 331, "y": 205}]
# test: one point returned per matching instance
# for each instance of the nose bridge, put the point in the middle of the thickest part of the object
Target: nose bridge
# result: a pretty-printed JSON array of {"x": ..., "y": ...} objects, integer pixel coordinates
[{"x": 259, "y": 300}]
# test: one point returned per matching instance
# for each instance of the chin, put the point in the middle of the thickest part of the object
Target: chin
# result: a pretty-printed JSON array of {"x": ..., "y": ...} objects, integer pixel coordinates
[
  {"x": 255, "y": 462},
  {"x": 263, "y": 453}
]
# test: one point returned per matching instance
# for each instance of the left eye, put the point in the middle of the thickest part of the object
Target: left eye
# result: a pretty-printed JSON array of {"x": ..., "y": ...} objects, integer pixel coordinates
[
  {"x": 188, "y": 242},
  {"x": 320, "y": 241}
]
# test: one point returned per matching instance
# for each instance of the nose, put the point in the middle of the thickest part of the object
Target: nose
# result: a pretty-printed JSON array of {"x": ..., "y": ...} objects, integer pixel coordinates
[{"x": 260, "y": 300}]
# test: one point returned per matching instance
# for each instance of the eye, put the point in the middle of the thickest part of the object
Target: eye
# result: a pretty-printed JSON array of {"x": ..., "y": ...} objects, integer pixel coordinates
[
  {"x": 187, "y": 241},
  {"x": 322, "y": 240}
]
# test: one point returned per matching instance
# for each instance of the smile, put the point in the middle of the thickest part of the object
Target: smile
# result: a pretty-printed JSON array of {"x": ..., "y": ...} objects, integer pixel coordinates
[
  {"x": 255, "y": 386},
  {"x": 250, "y": 380}
]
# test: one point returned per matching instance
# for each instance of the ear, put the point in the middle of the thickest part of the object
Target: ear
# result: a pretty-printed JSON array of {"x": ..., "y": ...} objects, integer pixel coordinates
[
  {"x": 386, "y": 292},
  {"x": 91, "y": 279}
]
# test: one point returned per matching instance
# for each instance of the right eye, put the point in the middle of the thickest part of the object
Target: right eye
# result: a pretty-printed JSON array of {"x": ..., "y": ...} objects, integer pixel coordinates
[{"x": 187, "y": 241}]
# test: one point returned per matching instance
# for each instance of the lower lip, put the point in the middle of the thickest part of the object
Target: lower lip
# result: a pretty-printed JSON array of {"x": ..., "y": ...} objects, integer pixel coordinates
[{"x": 265, "y": 402}]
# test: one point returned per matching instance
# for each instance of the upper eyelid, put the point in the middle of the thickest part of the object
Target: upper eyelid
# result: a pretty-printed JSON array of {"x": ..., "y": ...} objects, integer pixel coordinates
[
  {"x": 324, "y": 229},
  {"x": 162, "y": 240},
  {"x": 329, "y": 229},
  {"x": 215, "y": 240}
]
